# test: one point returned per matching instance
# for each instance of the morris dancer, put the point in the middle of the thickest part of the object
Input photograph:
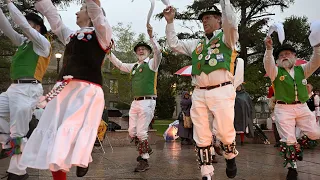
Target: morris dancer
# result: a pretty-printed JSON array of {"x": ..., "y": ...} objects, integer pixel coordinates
[
  {"x": 291, "y": 93},
  {"x": 68, "y": 127},
  {"x": 144, "y": 85},
  {"x": 213, "y": 59},
  {"x": 28, "y": 66}
]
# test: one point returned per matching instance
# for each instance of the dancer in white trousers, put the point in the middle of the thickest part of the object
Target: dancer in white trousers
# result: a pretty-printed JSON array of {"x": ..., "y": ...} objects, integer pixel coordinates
[
  {"x": 291, "y": 111},
  {"x": 144, "y": 88},
  {"x": 68, "y": 127},
  {"x": 28, "y": 67},
  {"x": 213, "y": 61}
]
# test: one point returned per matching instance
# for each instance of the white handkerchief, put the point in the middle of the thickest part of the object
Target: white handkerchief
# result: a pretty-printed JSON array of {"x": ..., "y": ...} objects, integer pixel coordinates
[
  {"x": 314, "y": 36},
  {"x": 277, "y": 27},
  {"x": 150, "y": 11},
  {"x": 166, "y": 2}
]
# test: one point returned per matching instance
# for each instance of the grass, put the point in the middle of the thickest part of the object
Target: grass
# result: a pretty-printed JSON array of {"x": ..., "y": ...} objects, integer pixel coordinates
[{"x": 161, "y": 125}]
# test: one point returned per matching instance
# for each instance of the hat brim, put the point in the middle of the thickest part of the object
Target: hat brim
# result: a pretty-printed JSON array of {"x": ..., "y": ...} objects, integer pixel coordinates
[
  {"x": 284, "y": 48},
  {"x": 209, "y": 13},
  {"x": 144, "y": 45}
]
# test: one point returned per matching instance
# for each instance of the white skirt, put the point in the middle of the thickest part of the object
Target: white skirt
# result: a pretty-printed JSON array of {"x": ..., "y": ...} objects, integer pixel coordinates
[{"x": 67, "y": 129}]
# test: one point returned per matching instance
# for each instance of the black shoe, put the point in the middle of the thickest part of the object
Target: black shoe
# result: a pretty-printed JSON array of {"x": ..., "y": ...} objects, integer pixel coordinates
[
  {"x": 12, "y": 176},
  {"x": 241, "y": 143},
  {"x": 206, "y": 178},
  {"x": 81, "y": 171},
  {"x": 292, "y": 174},
  {"x": 142, "y": 166},
  {"x": 231, "y": 169}
]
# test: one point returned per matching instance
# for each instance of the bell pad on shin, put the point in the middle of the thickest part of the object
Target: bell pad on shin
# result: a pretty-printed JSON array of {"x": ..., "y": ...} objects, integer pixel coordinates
[{"x": 204, "y": 155}]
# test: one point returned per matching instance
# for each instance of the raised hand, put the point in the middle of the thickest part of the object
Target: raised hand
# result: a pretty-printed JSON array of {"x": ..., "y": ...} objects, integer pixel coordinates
[
  {"x": 169, "y": 14},
  {"x": 268, "y": 42},
  {"x": 96, "y": 1},
  {"x": 150, "y": 30}
]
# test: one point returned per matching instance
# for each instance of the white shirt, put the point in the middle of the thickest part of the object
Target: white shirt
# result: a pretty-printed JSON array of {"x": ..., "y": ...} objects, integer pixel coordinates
[
  {"x": 41, "y": 45},
  {"x": 100, "y": 23},
  {"x": 230, "y": 37},
  {"x": 153, "y": 63}
]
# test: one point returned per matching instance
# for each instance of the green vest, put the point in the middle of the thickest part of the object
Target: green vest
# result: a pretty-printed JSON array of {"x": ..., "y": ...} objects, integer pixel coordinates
[
  {"x": 285, "y": 85},
  {"x": 27, "y": 64},
  {"x": 212, "y": 56},
  {"x": 144, "y": 80}
]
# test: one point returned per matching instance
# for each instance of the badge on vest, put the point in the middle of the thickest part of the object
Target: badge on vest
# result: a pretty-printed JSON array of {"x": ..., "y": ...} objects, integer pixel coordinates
[
  {"x": 89, "y": 36},
  {"x": 140, "y": 70},
  {"x": 200, "y": 57},
  {"x": 304, "y": 82},
  {"x": 207, "y": 57},
  {"x": 220, "y": 57},
  {"x": 199, "y": 65},
  {"x": 281, "y": 78},
  {"x": 213, "y": 62},
  {"x": 214, "y": 42},
  {"x": 215, "y": 51},
  {"x": 80, "y": 36},
  {"x": 199, "y": 48}
]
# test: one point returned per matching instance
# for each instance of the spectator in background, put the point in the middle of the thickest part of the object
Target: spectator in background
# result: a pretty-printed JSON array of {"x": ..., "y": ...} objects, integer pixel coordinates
[
  {"x": 243, "y": 119},
  {"x": 185, "y": 130}
]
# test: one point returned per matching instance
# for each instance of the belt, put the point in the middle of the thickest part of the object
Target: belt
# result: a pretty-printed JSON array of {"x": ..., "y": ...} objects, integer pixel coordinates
[
  {"x": 144, "y": 98},
  {"x": 216, "y": 86},
  {"x": 24, "y": 81},
  {"x": 294, "y": 102}
]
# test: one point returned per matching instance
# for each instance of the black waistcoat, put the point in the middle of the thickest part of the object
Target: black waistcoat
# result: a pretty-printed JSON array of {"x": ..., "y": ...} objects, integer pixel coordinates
[{"x": 83, "y": 58}]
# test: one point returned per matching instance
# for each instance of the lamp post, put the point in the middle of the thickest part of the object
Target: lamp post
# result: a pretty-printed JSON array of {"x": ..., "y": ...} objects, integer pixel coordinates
[{"x": 58, "y": 57}]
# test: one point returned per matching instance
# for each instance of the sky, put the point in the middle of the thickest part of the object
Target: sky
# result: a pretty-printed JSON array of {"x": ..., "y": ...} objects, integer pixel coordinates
[{"x": 135, "y": 12}]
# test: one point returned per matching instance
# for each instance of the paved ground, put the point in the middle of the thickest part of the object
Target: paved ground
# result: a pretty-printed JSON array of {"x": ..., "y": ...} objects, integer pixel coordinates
[{"x": 171, "y": 161}]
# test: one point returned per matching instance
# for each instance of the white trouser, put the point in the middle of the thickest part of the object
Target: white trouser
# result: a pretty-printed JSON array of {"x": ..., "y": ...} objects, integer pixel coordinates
[
  {"x": 18, "y": 103},
  {"x": 220, "y": 102},
  {"x": 140, "y": 116},
  {"x": 288, "y": 117}
]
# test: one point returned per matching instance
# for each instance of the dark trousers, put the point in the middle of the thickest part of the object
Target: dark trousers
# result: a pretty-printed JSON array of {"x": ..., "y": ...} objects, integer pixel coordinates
[{"x": 275, "y": 132}]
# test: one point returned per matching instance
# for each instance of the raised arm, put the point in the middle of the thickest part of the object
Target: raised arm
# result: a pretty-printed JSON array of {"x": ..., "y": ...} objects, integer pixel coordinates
[
  {"x": 46, "y": 8},
  {"x": 313, "y": 64},
  {"x": 183, "y": 47},
  {"x": 157, "y": 55},
  {"x": 125, "y": 67},
  {"x": 100, "y": 23},
  {"x": 5, "y": 26},
  {"x": 268, "y": 60},
  {"x": 229, "y": 24},
  {"x": 40, "y": 43}
]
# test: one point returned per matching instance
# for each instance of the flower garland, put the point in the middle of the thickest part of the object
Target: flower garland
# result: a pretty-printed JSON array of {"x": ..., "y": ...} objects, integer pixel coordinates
[{"x": 307, "y": 143}]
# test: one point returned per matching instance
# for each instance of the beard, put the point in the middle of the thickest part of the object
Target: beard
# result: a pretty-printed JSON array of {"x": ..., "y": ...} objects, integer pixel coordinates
[
  {"x": 289, "y": 63},
  {"x": 142, "y": 57}
]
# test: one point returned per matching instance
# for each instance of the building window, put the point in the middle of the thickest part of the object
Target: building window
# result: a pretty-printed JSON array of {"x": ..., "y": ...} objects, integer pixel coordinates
[
  {"x": 113, "y": 86},
  {"x": 113, "y": 104}
]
